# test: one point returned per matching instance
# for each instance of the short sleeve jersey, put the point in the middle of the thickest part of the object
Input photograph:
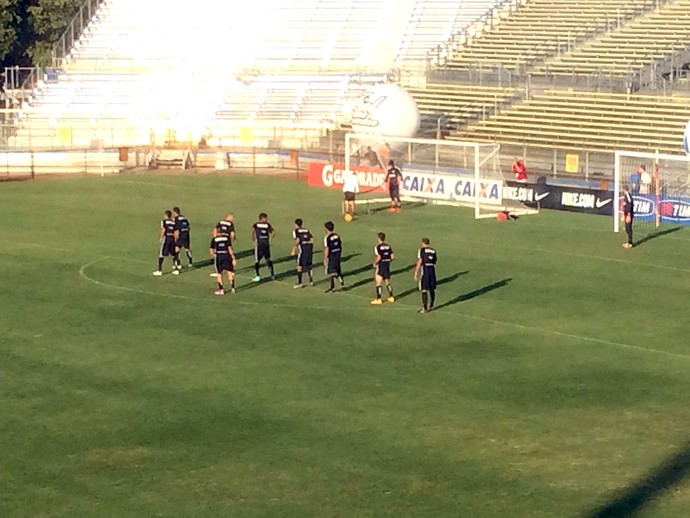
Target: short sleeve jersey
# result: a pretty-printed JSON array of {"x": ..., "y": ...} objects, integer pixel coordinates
[
  {"x": 394, "y": 176},
  {"x": 303, "y": 236},
  {"x": 627, "y": 203},
  {"x": 220, "y": 245},
  {"x": 225, "y": 228},
  {"x": 333, "y": 243},
  {"x": 262, "y": 231},
  {"x": 384, "y": 251},
  {"x": 169, "y": 226},
  {"x": 182, "y": 224},
  {"x": 428, "y": 256}
]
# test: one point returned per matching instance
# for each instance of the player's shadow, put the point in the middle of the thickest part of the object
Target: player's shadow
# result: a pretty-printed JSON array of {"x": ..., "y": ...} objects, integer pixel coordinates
[
  {"x": 368, "y": 280},
  {"x": 658, "y": 233},
  {"x": 664, "y": 477},
  {"x": 464, "y": 297},
  {"x": 405, "y": 205},
  {"x": 439, "y": 282}
]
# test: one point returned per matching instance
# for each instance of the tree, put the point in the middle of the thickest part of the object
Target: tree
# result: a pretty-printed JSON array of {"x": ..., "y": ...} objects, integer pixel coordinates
[
  {"x": 10, "y": 21},
  {"x": 49, "y": 19}
]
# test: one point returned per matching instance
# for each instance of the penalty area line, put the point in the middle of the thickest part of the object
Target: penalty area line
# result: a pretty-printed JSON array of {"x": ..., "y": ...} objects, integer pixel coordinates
[{"x": 400, "y": 307}]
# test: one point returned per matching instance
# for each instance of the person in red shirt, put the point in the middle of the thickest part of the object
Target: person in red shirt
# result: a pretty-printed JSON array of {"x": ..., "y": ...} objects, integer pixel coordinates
[{"x": 519, "y": 170}]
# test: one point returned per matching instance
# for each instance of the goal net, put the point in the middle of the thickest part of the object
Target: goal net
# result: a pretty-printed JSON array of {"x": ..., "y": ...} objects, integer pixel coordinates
[
  {"x": 660, "y": 186},
  {"x": 435, "y": 171}
]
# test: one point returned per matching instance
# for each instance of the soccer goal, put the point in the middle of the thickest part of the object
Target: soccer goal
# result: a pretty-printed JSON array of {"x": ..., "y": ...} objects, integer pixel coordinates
[
  {"x": 660, "y": 185},
  {"x": 444, "y": 172}
]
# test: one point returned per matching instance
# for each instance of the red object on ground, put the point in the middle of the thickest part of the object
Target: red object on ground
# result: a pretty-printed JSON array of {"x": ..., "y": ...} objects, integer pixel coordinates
[{"x": 502, "y": 216}]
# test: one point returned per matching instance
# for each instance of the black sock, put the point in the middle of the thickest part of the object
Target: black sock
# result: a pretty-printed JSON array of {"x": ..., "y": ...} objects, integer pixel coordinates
[
  {"x": 270, "y": 267},
  {"x": 220, "y": 286},
  {"x": 432, "y": 294},
  {"x": 332, "y": 282},
  {"x": 189, "y": 256},
  {"x": 176, "y": 259},
  {"x": 311, "y": 276},
  {"x": 160, "y": 264},
  {"x": 232, "y": 283},
  {"x": 425, "y": 299},
  {"x": 299, "y": 277},
  {"x": 378, "y": 292},
  {"x": 256, "y": 267},
  {"x": 390, "y": 289}
]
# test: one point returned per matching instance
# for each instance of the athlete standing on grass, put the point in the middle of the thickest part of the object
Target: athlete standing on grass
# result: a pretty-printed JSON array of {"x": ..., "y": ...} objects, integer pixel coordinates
[
  {"x": 382, "y": 264},
  {"x": 332, "y": 254},
  {"x": 168, "y": 236},
  {"x": 394, "y": 178},
  {"x": 225, "y": 227},
  {"x": 223, "y": 261},
  {"x": 425, "y": 272},
  {"x": 304, "y": 249},
  {"x": 628, "y": 214},
  {"x": 262, "y": 233},
  {"x": 183, "y": 240}
]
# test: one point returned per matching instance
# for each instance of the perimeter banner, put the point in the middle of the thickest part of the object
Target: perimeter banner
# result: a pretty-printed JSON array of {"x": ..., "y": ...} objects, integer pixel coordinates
[{"x": 417, "y": 183}]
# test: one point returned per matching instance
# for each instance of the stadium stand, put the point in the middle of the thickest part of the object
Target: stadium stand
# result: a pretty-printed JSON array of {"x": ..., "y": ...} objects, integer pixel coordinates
[
  {"x": 587, "y": 120},
  {"x": 158, "y": 77},
  {"x": 539, "y": 29},
  {"x": 649, "y": 38},
  {"x": 449, "y": 106}
]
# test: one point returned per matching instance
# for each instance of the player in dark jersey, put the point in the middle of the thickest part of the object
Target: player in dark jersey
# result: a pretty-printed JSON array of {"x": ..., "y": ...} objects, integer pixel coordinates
[
  {"x": 223, "y": 261},
  {"x": 628, "y": 215},
  {"x": 394, "y": 178},
  {"x": 226, "y": 227},
  {"x": 332, "y": 252},
  {"x": 183, "y": 239},
  {"x": 382, "y": 264},
  {"x": 304, "y": 249},
  {"x": 262, "y": 233},
  {"x": 425, "y": 272},
  {"x": 168, "y": 237}
]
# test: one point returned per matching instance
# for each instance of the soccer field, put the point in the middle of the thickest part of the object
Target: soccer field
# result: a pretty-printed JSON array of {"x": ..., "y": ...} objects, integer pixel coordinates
[{"x": 553, "y": 376}]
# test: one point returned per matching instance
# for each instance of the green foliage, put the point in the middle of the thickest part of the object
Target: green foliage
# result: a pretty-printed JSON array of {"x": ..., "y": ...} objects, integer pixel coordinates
[
  {"x": 10, "y": 20},
  {"x": 49, "y": 19}
]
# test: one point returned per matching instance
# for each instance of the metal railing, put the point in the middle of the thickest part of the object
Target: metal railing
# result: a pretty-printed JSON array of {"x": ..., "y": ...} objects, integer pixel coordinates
[{"x": 64, "y": 45}]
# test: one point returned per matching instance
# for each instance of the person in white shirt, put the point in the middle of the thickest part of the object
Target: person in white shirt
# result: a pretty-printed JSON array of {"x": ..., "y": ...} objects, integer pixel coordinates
[
  {"x": 350, "y": 189},
  {"x": 645, "y": 180}
]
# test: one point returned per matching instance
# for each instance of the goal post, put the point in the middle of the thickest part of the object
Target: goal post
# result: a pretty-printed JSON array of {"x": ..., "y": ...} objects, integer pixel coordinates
[
  {"x": 444, "y": 172},
  {"x": 660, "y": 187}
]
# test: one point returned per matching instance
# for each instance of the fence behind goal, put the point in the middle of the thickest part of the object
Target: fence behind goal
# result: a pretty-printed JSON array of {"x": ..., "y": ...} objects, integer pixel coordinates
[
  {"x": 437, "y": 171},
  {"x": 659, "y": 184}
]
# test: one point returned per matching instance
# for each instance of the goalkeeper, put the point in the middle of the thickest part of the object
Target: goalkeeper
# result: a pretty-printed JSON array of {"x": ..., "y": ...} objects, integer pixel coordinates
[{"x": 628, "y": 214}]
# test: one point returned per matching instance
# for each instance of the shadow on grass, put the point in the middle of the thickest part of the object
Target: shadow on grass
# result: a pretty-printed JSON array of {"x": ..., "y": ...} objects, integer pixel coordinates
[
  {"x": 658, "y": 233},
  {"x": 463, "y": 297},
  {"x": 661, "y": 479},
  {"x": 407, "y": 205},
  {"x": 371, "y": 278},
  {"x": 439, "y": 282}
]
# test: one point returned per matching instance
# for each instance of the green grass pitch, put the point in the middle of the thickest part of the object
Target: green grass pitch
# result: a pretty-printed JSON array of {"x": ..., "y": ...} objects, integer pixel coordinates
[{"x": 554, "y": 375}]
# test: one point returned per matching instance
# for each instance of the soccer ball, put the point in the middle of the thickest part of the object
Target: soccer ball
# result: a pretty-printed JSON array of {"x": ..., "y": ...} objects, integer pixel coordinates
[{"x": 348, "y": 217}]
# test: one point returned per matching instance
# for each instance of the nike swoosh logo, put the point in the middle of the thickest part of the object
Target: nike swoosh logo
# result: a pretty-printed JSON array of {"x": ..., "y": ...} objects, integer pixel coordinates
[
  {"x": 539, "y": 197},
  {"x": 603, "y": 203}
]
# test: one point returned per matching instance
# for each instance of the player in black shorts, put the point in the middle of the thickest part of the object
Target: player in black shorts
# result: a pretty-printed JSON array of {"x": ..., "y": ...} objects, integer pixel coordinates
[
  {"x": 168, "y": 236},
  {"x": 628, "y": 215},
  {"x": 304, "y": 249},
  {"x": 223, "y": 261},
  {"x": 183, "y": 239},
  {"x": 425, "y": 272},
  {"x": 382, "y": 264},
  {"x": 394, "y": 178},
  {"x": 332, "y": 252},
  {"x": 262, "y": 233},
  {"x": 226, "y": 227}
]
